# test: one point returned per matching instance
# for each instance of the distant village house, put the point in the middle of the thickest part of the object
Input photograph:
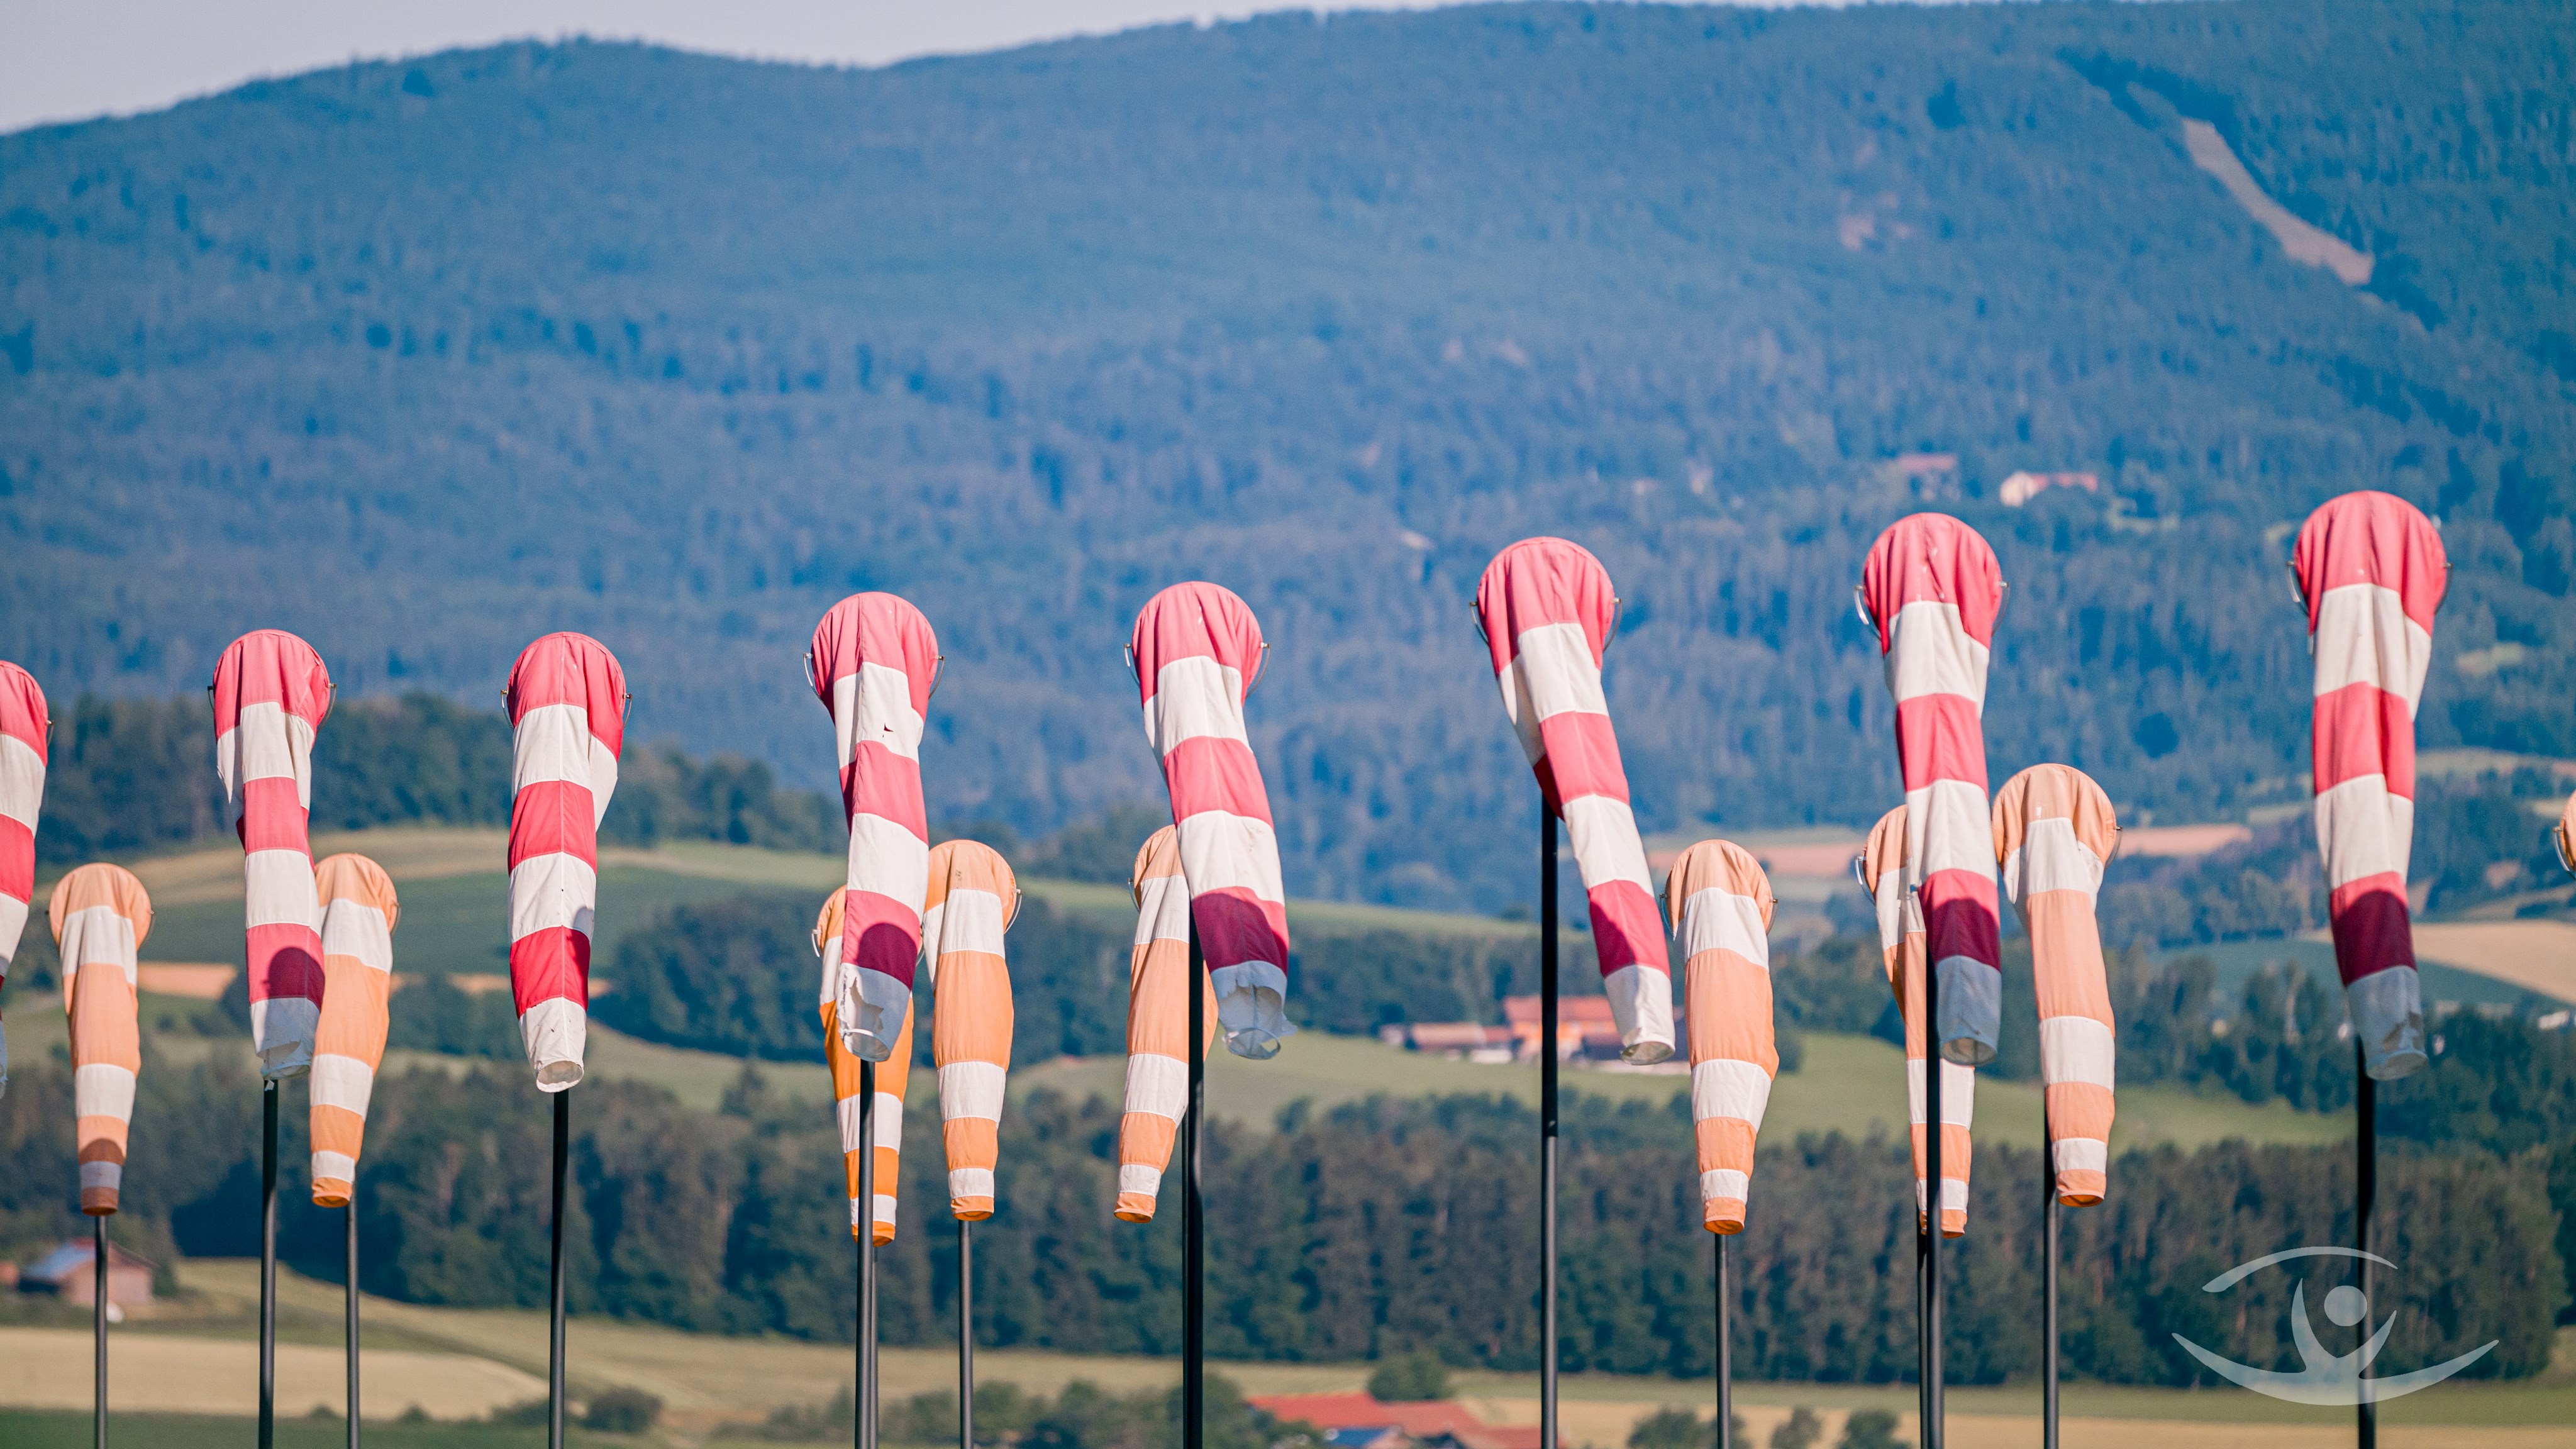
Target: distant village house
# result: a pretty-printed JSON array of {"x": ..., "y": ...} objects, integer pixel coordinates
[{"x": 70, "y": 1273}]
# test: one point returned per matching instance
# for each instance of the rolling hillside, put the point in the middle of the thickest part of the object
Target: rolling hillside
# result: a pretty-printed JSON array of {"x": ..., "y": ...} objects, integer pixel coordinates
[{"x": 424, "y": 358}]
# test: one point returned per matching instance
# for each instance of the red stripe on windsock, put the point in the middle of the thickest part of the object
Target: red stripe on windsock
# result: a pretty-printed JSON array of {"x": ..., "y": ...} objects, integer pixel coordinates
[
  {"x": 551, "y": 964},
  {"x": 879, "y": 782},
  {"x": 1215, "y": 774},
  {"x": 1583, "y": 757},
  {"x": 281, "y": 959},
  {"x": 554, "y": 817},
  {"x": 17, "y": 866},
  {"x": 273, "y": 817},
  {"x": 2371, "y": 926},
  {"x": 557, "y": 816},
  {"x": 2362, "y": 729},
  {"x": 1941, "y": 737}
]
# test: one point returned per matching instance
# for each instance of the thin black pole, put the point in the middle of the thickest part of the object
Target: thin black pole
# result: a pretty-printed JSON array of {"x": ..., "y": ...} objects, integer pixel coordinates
[
  {"x": 863, "y": 1416},
  {"x": 1725, "y": 1356},
  {"x": 2365, "y": 1102},
  {"x": 1547, "y": 1123},
  {"x": 98, "y": 1329},
  {"x": 2048, "y": 1227},
  {"x": 965, "y": 1334},
  {"x": 555, "y": 1289},
  {"x": 352, "y": 1305},
  {"x": 1932, "y": 1195},
  {"x": 1193, "y": 1223},
  {"x": 267, "y": 1264}
]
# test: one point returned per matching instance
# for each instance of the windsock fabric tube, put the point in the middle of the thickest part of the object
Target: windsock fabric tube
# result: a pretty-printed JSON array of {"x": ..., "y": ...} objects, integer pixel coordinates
[
  {"x": 1198, "y": 651},
  {"x": 1721, "y": 905},
  {"x": 359, "y": 914},
  {"x": 2054, "y": 835},
  {"x": 874, "y": 662},
  {"x": 1547, "y": 611},
  {"x": 1901, "y": 939},
  {"x": 567, "y": 700},
  {"x": 1158, "y": 1025},
  {"x": 24, "y": 719},
  {"x": 973, "y": 899},
  {"x": 893, "y": 1075},
  {"x": 271, "y": 695},
  {"x": 2371, "y": 572},
  {"x": 1931, "y": 589},
  {"x": 100, "y": 915}
]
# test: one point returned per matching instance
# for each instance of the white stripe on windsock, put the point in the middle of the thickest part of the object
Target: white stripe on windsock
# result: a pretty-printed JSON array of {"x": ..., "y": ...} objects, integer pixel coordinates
[
  {"x": 1717, "y": 919},
  {"x": 2364, "y": 830},
  {"x": 1231, "y": 852},
  {"x": 2387, "y": 1011},
  {"x": 278, "y": 890},
  {"x": 1958, "y": 1096},
  {"x": 969, "y": 920},
  {"x": 1949, "y": 825},
  {"x": 870, "y": 1011},
  {"x": 266, "y": 743},
  {"x": 1195, "y": 698},
  {"x": 551, "y": 746},
  {"x": 1738, "y": 1090},
  {"x": 880, "y": 714},
  {"x": 830, "y": 952},
  {"x": 845, "y": 1112},
  {"x": 334, "y": 1167},
  {"x": 549, "y": 891},
  {"x": 2364, "y": 637},
  {"x": 1603, "y": 833},
  {"x": 1552, "y": 673},
  {"x": 2082, "y": 1154},
  {"x": 555, "y": 1031},
  {"x": 1725, "y": 1182},
  {"x": 289, "y": 1022},
  {"x": 2050, "y": 858},
  {"x": 22, "y": 781},
  {"x": 101, "y": 1174},
  {"x": 1163, "y": 910},
  {"x": 13, "y": 922},
  {"x": 360, "y": 932},
  {"x": 1136, "y": 1177},
  {"x": 1972, "y": 1001},
  {"x": 887, "y": 859},
  {"x": 103, "y": 1089},
  {"x": 888, "y": 1125},
  {"x": 1157, "y": 1085},
  {"x": 97, "y": 936},
  {"x": 343, "y": 1082},
  {"x": 970, "y": 1182},
  {"x": 2077, "y": 1049},
  {"x": 1929, "y": 651},
  {"x": 1641, "y": 1004},
  {"x": 1249, "y": 995},
  {"x": 970, "y": 1089}
]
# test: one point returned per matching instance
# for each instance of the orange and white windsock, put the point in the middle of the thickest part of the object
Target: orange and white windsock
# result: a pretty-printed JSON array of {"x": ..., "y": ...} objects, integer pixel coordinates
[
  {"x": 1198, "y": 652},
  {"x": 567, "y": 700},
  {"x": 271, "y": 694},
  {"x": 1721, "y": 904},
  {"x": 973, "y": 898},
  {"x": 2371, "y": 572},
  {"x": 873, "y": 664},
  {"x": 2054, "y": 834},
  {"x": 1931, "y": 588},
  {"x": 1901, "y": 940},
  {"x": 893, "y": 1075},
  {"x": 24, "y": 720},
  {"x": 100, "y": 916},
  {"x": 1548, "y": 610},
  {"x": 359, "y": 913},
  {"x": 1158, "y": 1024}
]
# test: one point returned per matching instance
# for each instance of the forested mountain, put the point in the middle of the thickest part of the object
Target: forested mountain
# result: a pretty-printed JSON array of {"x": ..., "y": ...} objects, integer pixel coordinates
[{"x": 422, "y": 359}]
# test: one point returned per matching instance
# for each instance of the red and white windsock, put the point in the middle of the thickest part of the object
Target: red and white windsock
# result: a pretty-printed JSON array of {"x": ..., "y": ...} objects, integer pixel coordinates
[
  {"x": 882, "y": 1117},
  {"x": 2371, "y": 572},
  {"x": 1721, "y": 904},
  {"x": 1547, "y": 609},
  {"x": 1883, "y": 868},
  {"x": 1198, "y": 651},
  {"x": 873, "y": 664},
  {"x": 23, "y": 722},
  {"x": 271, "y": 694},
  {"x": 2054, "y": 834},
  {"x": 567, "y": 700},
  {"x": 1931, "y": 588}
]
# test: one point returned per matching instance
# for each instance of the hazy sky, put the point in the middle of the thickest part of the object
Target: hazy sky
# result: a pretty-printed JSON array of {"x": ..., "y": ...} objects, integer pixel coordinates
[{"x": 70, "y": 59}]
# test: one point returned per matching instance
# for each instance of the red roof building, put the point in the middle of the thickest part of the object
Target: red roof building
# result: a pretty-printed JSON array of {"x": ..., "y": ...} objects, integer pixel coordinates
[{"x": 1436, "y": 1422}]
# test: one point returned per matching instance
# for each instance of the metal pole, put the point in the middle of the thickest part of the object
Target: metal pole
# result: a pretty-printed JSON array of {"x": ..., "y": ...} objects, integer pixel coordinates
[
  {"x": 2048, "y": 1285},
  {"x": 98, "y": 1329},
  {"x": 2365, "y": 1101},
  {"x": 1193, "y": 1223},
  {"x": 352, "y": 1329},
  {"x": 965, "y": 1334},
  {"x": 555, "y": 1289},
  {"x": 267, "y": 1264},
  {"x": 1547, "y": 1123},
  {"x": 863, "y": 1429},
  {"x": 1931, "y": 1435},
  {"x": 1725, "y": 1356}
]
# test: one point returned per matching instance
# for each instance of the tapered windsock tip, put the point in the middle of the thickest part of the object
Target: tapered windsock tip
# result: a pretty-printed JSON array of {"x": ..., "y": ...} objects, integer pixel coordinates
[
  {"x": 1724, "y": 1216},
  {"x": 330, "y": 1194},
  {"x": 98, "y": 1202},
  {"x": 1134, "y": 1207}
]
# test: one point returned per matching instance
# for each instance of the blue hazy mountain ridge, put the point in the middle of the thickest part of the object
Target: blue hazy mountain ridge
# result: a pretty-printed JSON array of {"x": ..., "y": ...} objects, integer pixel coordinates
[{"x": 422, "y": 359}]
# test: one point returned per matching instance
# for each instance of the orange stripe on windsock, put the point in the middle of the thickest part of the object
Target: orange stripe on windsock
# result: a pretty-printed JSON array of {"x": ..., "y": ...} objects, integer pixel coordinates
[
  {"x": 1158, "y": 1024},
  {"x": 1901, "y": 943},
  {"x": 973, "y": 898},
  {"x": 100, "y": 915},
  {"x": 893, "y": 1074},
  {"x": 359, "y": 914},
  {"x": 1721, "y": 905},
  {"x": 2054, "y": 834}
]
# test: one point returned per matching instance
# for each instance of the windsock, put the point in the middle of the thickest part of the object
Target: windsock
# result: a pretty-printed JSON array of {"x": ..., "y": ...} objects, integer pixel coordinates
[
  {"x": 1931, "y": 588},
  {"x": 2371, "y": 572},
  {"x": 23, "y": 722},
  {"x": 893, "y": 1074},
  {"x": 359, "y": 913},
  {"x": 1901, "y": 940},
  {"x": 1198, "y": 652},
  {"x": 873, "y": 664},
  {"x": 973, "y": 899},
  {"x": 100, "y": 916},
  {"x": 2054, "y": 834},
  {"x": 1721, "y": 905},
  {"x": 1158, "y": 1024},
  {"x": 1547, "y": 610},
  {"x": 567, "y": 700},
  {"x": 271, "y": 694}
]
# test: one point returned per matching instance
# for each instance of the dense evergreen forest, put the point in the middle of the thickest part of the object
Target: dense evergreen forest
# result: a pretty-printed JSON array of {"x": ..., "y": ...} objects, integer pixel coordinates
[{"x": 424, "y": 358}]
